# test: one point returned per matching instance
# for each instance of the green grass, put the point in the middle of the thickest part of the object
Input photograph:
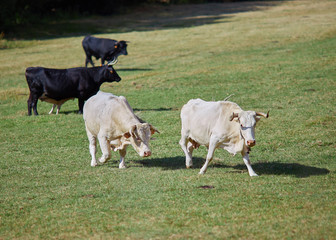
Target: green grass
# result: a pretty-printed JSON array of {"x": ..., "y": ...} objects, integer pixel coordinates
[{"x": 279, "y": 57}]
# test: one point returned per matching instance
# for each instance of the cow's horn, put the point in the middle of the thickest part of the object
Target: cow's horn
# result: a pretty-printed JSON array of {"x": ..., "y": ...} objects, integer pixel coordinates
[
  {"x": 263, "y": 114},
  {"x": 114, "y": 61},
  {"x": 234, "y": 115}
]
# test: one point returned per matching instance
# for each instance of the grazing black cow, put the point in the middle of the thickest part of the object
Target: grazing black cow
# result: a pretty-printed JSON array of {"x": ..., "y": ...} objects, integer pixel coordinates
[
  {"x": 103, "y": 48},
  {"x": 55, "y": 85}
]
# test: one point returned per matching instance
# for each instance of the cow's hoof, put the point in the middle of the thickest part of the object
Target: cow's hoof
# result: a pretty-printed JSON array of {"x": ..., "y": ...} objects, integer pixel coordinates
[
  {"x": 102, "y": 160},
  {"x": 189, "y": 166},
  {"x": 93, "y": 164},
  {"x": 254, "y": 175},
  {"x": 201, "y": 173},
  {"x": 122, "y": 166}
]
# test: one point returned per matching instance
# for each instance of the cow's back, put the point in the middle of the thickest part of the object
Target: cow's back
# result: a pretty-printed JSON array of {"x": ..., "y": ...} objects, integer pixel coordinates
[
  {"x": 107, "y": 112},
  {"x": 200, "y": 119},
  {"x": 98, "y": 45}
]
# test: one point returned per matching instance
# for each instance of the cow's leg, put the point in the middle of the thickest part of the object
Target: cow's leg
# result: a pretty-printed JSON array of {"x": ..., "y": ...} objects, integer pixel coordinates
[
  {"x": 80, "y": 105},
  {"x": 34, "y": 105},
  {"x": 105, "y": 148},
  {"x": 88, "y": 60},
  {"x": 248, "y": 164},
  {"x": 122, "y": 153},
  {"x": 30, "y": 102},
  {"x": 58, "y": 109},
  {"x": 92, "y": 147},
  {"x": 184, "y": 145},
  {"x": 102, "y": 61},
  {"x": 211, "y": 150},
  {"x": 190, "y": 149},
  {"x": 52, "y": 109}
]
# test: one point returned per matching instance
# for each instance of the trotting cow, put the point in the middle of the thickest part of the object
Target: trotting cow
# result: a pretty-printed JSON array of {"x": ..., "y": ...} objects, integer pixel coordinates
[
  {"x": 105, "y": 49},
  {"x": 59, "y": 85},
  {"x": 111, "y": 119},
  {"x": 221, "y": 124}
]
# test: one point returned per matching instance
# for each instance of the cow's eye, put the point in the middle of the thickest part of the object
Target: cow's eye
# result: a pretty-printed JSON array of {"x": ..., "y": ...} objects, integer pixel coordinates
[
  {"x": 241, "y": 125},
  {"x": 111, "y": 71}
]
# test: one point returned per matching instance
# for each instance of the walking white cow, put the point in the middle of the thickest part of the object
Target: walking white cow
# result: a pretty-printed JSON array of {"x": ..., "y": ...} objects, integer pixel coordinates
[
  {"x": 111, "y": 119},
  {"x": 221, "y": 124}
]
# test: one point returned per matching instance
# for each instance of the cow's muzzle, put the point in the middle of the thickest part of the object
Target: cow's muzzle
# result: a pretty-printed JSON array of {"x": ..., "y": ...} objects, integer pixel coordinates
[
  {"x": 147, "y": 154},
  {"x": 251, "y": 143}
]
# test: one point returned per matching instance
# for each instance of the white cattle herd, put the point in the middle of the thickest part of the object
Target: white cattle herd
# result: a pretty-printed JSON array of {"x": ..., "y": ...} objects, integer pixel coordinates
[{"x": 221, "y": 124}]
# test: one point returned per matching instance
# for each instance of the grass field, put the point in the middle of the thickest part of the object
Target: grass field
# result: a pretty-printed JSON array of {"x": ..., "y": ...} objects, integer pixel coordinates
[{"x": 278, "y": 56}]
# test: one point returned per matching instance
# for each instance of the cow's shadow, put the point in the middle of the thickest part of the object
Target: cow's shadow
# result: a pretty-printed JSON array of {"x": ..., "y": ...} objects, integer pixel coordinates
[
  {"x": 278, "y": 168},
  {"x": 261, "y": 168}
]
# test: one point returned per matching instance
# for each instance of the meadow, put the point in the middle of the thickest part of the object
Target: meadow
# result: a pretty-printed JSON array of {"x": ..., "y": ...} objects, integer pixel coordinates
[{"x": 278, "y": 56}]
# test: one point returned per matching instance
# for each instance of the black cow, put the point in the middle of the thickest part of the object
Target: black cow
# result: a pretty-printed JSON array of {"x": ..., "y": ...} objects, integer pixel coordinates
[
  {"x": 106, "y": 49},
  {"x": 55, "y": 85}
]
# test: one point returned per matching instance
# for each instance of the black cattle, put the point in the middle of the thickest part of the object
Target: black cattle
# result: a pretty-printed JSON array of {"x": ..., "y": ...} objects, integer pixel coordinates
[
  {"x": 105, "y": 49},
  {"x": 55, "y": 85}
]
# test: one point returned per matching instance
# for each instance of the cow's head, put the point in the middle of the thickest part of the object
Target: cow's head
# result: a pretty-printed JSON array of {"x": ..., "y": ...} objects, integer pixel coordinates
[
  {"x": 120, "y": 48},
  {"x": 109, "y": 74},
  {"x": 139, "y": 136},
  {"x": 248, "y": 121}
]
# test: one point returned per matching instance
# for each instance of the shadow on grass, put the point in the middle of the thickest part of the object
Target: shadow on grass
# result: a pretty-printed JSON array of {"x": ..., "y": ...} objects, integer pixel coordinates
[
  {"x": 153, "y": 109},
  {"x": 263, "y": 168},
  {"x": 149, "y": 18},
  {"x": 277, "y": 168}
]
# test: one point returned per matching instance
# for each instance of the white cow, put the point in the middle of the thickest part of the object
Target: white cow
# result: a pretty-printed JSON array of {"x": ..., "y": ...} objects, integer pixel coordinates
[
  {"x": 221, "y": 124},
  {"x": 111, "y": 119}
]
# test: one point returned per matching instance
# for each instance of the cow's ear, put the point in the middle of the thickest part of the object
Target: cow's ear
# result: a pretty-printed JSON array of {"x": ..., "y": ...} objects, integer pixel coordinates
[
  {"x": 130, "y": 132},
  {"x": 153, "y": 129},
  {"x": 127, "y": 135},
  {"x": 234, "y": 115}
]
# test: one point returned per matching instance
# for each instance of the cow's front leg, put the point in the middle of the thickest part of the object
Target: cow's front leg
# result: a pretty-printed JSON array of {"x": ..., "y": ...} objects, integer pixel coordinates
[
  {"x": 248, "y": 164},
  {"x": 52, "y": 109},
  {"x": 102, "y": 61},
  {"x": 184, "y": 145},
  {"x": 211, "y": 150},
  {"x": 58, "y": 109},
  {"x": 105, "y": 148},
  {"x": 122, "y": 153}
]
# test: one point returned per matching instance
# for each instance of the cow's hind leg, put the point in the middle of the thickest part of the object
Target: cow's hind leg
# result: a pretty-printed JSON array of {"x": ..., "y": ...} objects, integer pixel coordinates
[
  {"x": 92, "y": 147},
  {"x": 248, "y": 165},
  {"x": 211, "y": 150},
  {"x": 88, "y": 60},
  {"x": 34, "y": 105},
  {"x": 30, "y": 104},
  {"x": 185, "y": 145},
  {"x": 105, "y": 148}
]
